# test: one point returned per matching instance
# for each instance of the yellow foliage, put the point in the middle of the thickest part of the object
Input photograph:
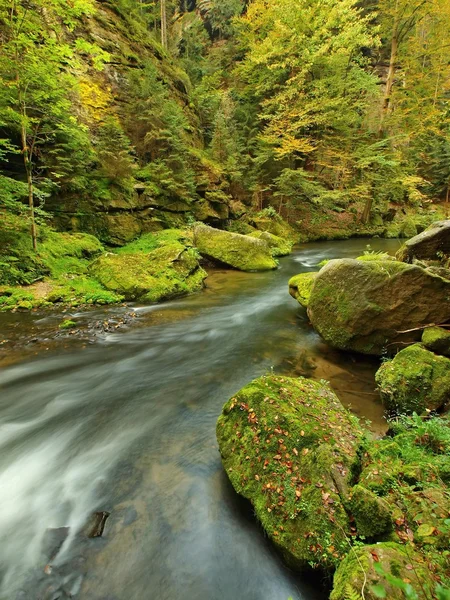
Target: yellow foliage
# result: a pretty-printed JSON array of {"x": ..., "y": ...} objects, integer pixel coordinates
[{"x": 95, "y": 100}]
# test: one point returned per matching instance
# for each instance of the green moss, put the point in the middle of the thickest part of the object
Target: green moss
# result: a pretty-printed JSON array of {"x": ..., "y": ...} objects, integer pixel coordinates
[
  {"x": 376, "y": 256},
  {"x": 238, "y": 251},
  {"x": 372, "y": 514},
  {"x": 415, "y": 380},
  {"x": 374, "y": 568},
  {"x": 300, "y": 287},
  {"x": 290, "y": 447},
  {"x": 69, "y": 253},
  {"x": 151, "y": 241},
  {"x": 67, "y": 324},
  {"x": 437, "y": 340},
  {"x": 168, "y": 271},
  {"x": 277, "y": 245},
  {"x": 12, "y": 298},
  {"x": 82, "y": 290}
]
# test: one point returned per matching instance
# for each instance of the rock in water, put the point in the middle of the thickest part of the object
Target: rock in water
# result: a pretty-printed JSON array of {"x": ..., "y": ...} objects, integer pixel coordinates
[
  {"x": 169, "y": 271},
  {"x": 300, "y": 287},
  {"x": 289, "y": 446},
  {"x": 233, "y": 249},
  {"x": 369, "y": 307},
  {"x": 431, "y": 244},
  {"x": 415, "y": 380}
]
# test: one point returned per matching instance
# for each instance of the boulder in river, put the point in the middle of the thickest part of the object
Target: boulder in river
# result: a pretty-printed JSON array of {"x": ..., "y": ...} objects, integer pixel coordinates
[
  {"x": 415, "y": 380},
  {"x": 437, "y": 340},
  {"x": 372, "y": 306},
  {"x": 233, "y": 249},
  {"x": 166, "y": 272},
  {"x": 431, "y": 244},
  {"x": 300, "y": 287},
  {"x": 379, "y": 570},
  {"x": 278, "y": 246},
  {"x": 290, "y": 447}
]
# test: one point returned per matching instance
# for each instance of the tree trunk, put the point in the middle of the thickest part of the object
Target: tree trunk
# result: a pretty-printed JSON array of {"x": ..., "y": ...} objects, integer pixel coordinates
[
  {"x": 366, "y": 212},
  {"x": 390, "y": 77},
  {"x": 163, "y": 24},
  {"x": 27, "y": 164}
]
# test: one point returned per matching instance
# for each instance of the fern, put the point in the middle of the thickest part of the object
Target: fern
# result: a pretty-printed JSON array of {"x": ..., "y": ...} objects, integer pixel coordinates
[{"x": 351, "y": 594}]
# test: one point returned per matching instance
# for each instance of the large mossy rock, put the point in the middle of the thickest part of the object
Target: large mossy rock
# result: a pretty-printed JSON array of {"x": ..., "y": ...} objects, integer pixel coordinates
[
  {"x": 365, "y": 569},
  {"x": 277, "y": 245},
  {"x": 372, "y": 514},
  {"x": 290, "y": 447},
  {"x": 166, "y": 272},
  {"x": 370, "y": 306},
  {"x": 300, "y": 287},
  {"x": 233, "y": 249},
  {"x": 437, "y": 340},
  {"x": 415, "y": 380},
  {"x": 431, "y": 244}
]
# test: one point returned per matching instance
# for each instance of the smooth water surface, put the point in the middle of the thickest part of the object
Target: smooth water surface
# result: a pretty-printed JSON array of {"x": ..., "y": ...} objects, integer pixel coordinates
[{"x": 127, "y": 425}]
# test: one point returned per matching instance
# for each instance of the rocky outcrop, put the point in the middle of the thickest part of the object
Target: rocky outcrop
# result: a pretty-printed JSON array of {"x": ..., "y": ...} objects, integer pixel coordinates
[
  {"x": 278, "y": 246},
  {"x": 233, "y": 249},
  {"x": 300, "y": 287},
  {"x": 376, "y": 569},
  {"x": 166, "y": 272},
  {"x": 415, "y": 380},
  {"x": 431, "y": 244},
  {"x": 371, "y": 306},
  {"x": 437, "y": 340},
  {"x": 289, "y": 446}
]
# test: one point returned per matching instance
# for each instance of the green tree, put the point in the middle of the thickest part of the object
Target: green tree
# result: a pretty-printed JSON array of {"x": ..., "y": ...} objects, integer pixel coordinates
[{"x": 34, "y": 106}]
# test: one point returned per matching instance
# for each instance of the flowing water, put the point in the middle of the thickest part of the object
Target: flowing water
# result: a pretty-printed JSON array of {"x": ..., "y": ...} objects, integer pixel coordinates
[{"x": 126, "y": 425}]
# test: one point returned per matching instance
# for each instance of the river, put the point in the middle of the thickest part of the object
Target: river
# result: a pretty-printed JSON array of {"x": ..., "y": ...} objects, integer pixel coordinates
[{"x": 126, "y": 425}]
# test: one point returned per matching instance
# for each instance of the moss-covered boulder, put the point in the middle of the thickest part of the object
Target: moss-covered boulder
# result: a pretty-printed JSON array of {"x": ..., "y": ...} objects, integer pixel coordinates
[
  {"x": 382, "y": 571},
  {"x": 290, "y": 447},
  {"x": 372, "y": 514},
  {"x": 268, "y": 220},
  {"x": 431, "y": 244},
  {"x": 300, "y": 287},
  {"x": 370, "y": 306},
  {"x": 415, "y": 380},
  {"x": 166, "y": 272},
  {"x": 278, "y": 246},
  {"x": 233, "y": 249},
  {"x": 437, "y": 340}
]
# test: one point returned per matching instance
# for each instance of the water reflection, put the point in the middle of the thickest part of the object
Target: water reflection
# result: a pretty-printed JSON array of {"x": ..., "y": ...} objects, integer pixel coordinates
[{"x": 127, "y": 426}]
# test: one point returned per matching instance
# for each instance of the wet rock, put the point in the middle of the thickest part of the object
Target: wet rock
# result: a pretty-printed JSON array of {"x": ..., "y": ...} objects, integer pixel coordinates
[
  {"x": 289, "y": 447},
  {"x": 437, "y": 340},
  {"x": 431, "y": 244},
  {"x": 233, "y": 249},
  {"x": 166, "y": 272},
  {"x": 360, "y": 571},
  {"x": 415, "y": 380},
  {"x": 278, "y": 246},
  {"x": 96, "y": 524},
  {"x": 300, "y": 287},
  {"x": 372, "y": 306}
]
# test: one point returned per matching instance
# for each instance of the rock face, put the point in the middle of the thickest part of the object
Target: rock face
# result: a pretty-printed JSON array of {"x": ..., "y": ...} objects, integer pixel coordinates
[
  {"x": 370, "y": 306},
  {"x": 394, "y": 559},
  {"x": 431, "y": 244},
  {"x": 289, "y": 446},
  {"x": 233, "y": 249},
  {"x": 166, "y": 272},
  {"x": 277, "y": 245},
  {"x": 437, "y": 340},
  {"x": 300, "y": 287},
  {"x": 415, "y": 380}
]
